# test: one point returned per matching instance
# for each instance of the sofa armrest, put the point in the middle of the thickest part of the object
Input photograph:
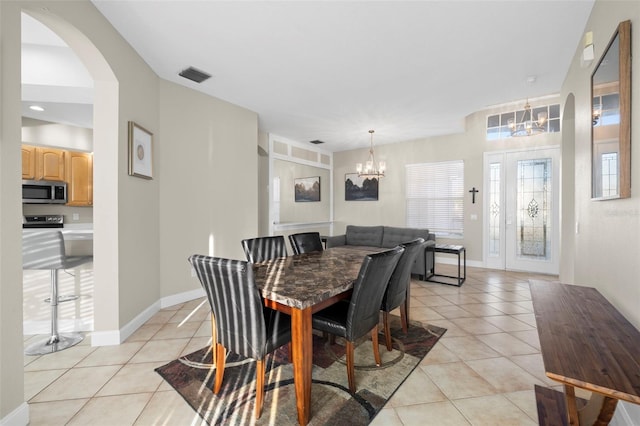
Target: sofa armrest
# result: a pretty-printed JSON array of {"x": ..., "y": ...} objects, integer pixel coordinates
[
  {"x": 336, "y": 240},
  {"x": 432, "y": 237}
]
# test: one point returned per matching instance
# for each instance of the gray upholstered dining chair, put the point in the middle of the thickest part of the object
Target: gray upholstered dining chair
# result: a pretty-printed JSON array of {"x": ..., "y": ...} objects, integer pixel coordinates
[
  {"x": 397, "y": 290},
  {"x": 354, "y": 318},
  {"x": 243, "y": 325},
  {"x": 264, "y": 248},
  {"x": 305, "y": 242},
  {"x": 45, "y": 250}
]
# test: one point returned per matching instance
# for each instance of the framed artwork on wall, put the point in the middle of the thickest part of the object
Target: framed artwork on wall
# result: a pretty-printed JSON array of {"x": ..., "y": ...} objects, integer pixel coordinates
[
  {"x": 357, "y": 188},
  {"x": 140, "y": 151},
  {"x": 307, "y": 189}
]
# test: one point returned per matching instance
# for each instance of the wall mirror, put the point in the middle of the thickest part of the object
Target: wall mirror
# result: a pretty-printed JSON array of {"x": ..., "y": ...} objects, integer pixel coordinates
[{"x": 611, "y": 119}]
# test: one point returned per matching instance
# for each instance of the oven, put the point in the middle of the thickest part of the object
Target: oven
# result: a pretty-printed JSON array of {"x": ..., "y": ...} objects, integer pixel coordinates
[{"x": 43, "y": 221}]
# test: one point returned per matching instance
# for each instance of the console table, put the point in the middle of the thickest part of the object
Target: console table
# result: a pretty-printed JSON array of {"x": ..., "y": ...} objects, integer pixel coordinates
[
  {"x": 448, "y": 249},
  {"x": 585, "y": 343}
]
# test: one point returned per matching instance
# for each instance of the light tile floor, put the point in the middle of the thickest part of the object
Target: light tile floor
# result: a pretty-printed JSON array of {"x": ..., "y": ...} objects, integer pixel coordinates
[{"x": 481, "y": 372}]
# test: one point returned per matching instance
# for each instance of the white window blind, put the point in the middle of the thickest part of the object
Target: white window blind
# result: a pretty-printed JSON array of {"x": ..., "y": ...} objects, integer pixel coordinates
[{"x": 435, "y": 197}]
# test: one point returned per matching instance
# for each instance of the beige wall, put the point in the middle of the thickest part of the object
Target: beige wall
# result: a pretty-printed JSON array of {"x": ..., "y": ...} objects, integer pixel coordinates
[
  {"x": 468, "y": 146},
  {"x": 607, "y": 247},
  {"x": 208, "y": 191}
]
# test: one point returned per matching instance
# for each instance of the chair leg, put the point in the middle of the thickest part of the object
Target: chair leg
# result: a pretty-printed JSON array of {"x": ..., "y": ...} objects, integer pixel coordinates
[
  {"x": 259, "y": 387},
  {"x": 220, "y": 358},
  {"x": 214, "y": 337},
  {"x": 387, "y": 330},
  {"x": 403, "y": 316},
  {"x": 350, "y": 367},
  {"x": 376, "y": 347}
]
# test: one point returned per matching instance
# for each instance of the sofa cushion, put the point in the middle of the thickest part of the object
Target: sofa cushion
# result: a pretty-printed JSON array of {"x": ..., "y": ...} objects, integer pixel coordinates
[
  {"x": 364, "y": 235},
  {"x": 394, "y": 236}
]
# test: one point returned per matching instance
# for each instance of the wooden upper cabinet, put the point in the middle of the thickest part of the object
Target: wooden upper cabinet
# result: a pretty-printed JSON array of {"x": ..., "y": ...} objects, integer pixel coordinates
[
  {"x": 79, "y": 178},
  {"x": 28, "y": 162},
  {"x": 50, "y": 164}
]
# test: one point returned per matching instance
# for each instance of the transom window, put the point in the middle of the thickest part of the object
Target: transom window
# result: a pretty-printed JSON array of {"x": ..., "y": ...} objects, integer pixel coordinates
[{"x": 498, "y": 127}]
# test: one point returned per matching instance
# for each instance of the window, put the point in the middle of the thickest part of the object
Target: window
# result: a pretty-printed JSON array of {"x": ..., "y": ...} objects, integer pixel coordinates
[
  {"x": 606, "y": 110},
  {"x": 435, "y": 197},
  {"x": 498, "y": 128}
]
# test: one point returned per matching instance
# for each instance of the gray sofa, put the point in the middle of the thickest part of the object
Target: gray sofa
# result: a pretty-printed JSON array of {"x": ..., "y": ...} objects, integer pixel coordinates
[{"x": 388, "y": 237}]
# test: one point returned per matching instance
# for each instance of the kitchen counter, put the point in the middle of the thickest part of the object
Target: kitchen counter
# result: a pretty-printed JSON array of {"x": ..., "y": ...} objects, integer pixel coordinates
[{"x": 70, "y": 232}]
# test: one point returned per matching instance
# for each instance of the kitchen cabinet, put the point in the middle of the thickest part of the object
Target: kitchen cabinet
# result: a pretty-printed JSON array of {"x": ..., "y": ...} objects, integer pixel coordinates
[
  {"x": 50, "y": 164},
  {"x": 79, "y": 178},
  {"x": 28, "y": 162}
]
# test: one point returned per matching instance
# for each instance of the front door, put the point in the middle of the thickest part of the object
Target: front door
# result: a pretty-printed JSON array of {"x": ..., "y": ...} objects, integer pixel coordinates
[{"x": 522, "y": 210}]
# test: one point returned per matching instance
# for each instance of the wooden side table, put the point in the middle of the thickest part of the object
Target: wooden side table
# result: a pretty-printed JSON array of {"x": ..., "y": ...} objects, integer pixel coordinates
[{"x": 449, "y": 249}]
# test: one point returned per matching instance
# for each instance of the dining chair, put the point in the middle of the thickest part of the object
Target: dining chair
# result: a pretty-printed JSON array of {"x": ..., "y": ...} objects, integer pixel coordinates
[
  {"x": 360, "y": 315},
  {"x": 243, "y": 325},
  {"x": 264, "y": 248},
  {"x": 397, "y": 290},
  {"x": 305, "y": 242}
]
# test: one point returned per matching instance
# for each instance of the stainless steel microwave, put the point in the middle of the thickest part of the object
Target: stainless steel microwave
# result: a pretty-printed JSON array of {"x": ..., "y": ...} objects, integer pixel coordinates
[{"x": 44, "y": 192}]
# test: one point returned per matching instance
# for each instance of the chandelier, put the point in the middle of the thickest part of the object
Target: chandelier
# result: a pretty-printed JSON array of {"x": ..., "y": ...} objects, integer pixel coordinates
[
  {"x": 526, "y": 126},
  {"x": 371, "y": 169}
]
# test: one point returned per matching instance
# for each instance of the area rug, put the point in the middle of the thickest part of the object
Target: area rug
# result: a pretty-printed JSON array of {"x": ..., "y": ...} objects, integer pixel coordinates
[{"x": 331, "y": 403}]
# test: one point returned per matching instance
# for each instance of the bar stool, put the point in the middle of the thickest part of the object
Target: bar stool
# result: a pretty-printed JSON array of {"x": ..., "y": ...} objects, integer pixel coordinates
[{"x": 45, "y": 250}]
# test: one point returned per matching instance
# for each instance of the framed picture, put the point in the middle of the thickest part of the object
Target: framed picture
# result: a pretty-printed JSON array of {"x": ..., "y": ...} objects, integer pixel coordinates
[
  {"x": 140, "y": 151},
  {"x": 307, "y": 189},
  {"x": 357, "y": 188}
]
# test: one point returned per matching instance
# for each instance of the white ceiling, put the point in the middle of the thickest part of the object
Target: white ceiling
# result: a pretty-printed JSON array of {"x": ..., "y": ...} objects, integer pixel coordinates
[{"x": 332, "y": 70}]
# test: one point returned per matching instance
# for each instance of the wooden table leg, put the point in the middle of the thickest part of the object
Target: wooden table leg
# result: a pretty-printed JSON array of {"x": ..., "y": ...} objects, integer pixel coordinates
[
  {"x": 302, "y": 346},
  {"x": 572, "y": 407}
]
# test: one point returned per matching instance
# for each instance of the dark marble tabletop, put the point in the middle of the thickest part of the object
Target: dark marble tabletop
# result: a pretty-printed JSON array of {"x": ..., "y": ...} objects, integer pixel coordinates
[{"x": 304, "y": 280}]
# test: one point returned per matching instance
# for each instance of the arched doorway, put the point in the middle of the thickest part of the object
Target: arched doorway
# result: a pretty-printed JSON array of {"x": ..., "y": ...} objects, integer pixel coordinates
[{"x": 105, "y": 137}]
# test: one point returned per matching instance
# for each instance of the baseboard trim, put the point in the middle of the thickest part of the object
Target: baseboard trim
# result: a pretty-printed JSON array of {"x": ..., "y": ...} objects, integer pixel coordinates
[
  {"x": 449, "y": 260},
  {"x": 18, "y": 417},
  {"x": 186, "y": 296},
  {"x": 116, "y": 337}
]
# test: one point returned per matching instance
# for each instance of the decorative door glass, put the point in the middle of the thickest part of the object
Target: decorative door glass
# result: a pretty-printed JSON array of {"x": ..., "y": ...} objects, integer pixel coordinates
[
  {"x": 494, "y": 209},
  {"x": 534, "y": 209}
]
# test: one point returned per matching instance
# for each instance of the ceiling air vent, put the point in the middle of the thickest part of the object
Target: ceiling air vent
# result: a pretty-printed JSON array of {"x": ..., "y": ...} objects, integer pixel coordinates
[
  {"x": 194, "y": 74},
  {"x": 316, "y": 142}
]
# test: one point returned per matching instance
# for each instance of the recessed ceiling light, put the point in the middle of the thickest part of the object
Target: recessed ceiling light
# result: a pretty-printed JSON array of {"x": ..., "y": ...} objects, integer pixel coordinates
[{"x": 36, "y": 108}]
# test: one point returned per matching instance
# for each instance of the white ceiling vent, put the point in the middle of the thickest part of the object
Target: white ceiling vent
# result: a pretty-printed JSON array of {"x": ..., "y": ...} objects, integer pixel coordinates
[{"x": 194, "y": 74}]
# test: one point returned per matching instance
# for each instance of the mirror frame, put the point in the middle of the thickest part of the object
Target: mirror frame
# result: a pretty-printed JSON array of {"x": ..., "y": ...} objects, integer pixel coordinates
[{"x": 623, "y": 32}]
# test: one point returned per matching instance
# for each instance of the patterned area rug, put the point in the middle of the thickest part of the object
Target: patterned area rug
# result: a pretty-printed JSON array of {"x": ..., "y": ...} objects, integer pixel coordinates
[{"x": 331, "y": 403}]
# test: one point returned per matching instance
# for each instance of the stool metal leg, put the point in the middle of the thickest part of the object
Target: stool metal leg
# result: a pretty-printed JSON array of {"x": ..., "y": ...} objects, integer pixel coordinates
[{"x": 57, "y": 341}]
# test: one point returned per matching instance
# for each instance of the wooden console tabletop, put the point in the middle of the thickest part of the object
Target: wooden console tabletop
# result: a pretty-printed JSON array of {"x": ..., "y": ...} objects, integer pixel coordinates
[{"x": 586, "y": 343}]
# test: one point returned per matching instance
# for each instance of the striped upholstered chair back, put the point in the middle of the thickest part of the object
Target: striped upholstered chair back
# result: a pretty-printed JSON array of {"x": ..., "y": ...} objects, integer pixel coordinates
[
  {"x": 398, "y": 289},
  {"x": 264, "y": 248},
  {"x": 242, "y": 324},
  {"x": 305, "y": 242},
  {"x": 235, "y": 303}
]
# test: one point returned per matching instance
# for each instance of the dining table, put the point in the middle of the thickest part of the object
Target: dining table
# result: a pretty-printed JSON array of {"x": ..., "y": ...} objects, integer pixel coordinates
[{"x": 301, "y": 285}]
